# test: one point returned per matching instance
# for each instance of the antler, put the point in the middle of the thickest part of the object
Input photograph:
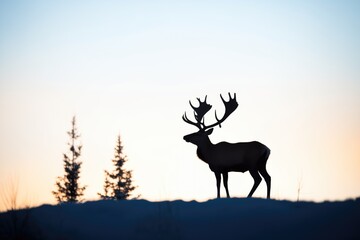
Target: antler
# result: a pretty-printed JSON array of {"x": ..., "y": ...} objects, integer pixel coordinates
[
  {"x": 199, "y": 113},
  {"x": 230, "y": 107},
  {"x": 186, "y": 119}
]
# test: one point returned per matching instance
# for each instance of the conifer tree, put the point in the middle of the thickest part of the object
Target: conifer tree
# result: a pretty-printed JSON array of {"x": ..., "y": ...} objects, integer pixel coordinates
[
  {"x": 67, "y": 186},
  {"x": 107, "y": 187},
  {"x": 118, "y": 184}
]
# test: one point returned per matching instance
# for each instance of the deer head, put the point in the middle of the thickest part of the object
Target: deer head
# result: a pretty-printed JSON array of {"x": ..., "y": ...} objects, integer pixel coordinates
[{"x": 199, "y": 137}]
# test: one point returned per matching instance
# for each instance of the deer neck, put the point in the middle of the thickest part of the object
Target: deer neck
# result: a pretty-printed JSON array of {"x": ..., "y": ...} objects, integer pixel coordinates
[{"x": 204, "y": 149}]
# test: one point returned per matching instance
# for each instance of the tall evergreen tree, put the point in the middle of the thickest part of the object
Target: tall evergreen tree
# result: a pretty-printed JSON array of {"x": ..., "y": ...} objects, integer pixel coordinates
[
  {"x": 67, "y": 187},
  {"x": 118, "y": 184}
]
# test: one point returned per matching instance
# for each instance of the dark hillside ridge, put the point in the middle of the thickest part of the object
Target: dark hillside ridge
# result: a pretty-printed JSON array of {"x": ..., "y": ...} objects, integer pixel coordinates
[{"x": 215, "y": 219}]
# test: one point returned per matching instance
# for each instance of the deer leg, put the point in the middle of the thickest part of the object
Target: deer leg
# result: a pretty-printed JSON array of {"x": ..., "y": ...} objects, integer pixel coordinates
[
  {"x": 225, "y": 177},
  {"x": 257, "y": 180},
  {"x": 267, "y": 178},
  {"x": 218, "y": 182}
]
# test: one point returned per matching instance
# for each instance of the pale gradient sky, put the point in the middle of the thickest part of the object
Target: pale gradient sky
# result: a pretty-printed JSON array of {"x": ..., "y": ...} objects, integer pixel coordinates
[{"x": 130, "y": 68}]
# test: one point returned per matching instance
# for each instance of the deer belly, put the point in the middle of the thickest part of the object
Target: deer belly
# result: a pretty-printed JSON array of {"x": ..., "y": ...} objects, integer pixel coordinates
[
  {"x": 239, "y": 168},
  {"x": 233, "y": 168}
]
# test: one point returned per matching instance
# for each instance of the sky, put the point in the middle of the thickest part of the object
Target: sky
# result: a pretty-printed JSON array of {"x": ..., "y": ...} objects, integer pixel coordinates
[{"x": 130, "y": 68}]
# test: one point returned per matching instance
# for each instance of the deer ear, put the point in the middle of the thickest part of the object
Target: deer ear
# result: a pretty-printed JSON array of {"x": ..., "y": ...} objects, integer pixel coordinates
[{"x": 208, "y": 132}]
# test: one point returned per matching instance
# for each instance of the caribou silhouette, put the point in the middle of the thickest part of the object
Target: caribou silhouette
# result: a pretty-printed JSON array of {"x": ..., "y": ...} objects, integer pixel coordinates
[{"x": 227, "y": 157}]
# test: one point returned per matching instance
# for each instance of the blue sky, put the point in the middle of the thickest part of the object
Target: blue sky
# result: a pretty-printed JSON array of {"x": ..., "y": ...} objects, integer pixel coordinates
[{"x": 130, "y": 68}]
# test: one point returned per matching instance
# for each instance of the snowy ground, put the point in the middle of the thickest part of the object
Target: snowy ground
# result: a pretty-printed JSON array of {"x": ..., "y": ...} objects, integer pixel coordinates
[{"x": 214, "y": 219}]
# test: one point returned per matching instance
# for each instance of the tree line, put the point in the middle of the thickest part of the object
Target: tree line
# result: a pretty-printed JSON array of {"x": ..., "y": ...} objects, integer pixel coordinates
[{"x": 118, "y": 184}]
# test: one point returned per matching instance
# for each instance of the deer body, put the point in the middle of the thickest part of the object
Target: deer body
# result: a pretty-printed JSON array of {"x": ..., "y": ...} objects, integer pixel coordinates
[
  {"x": 237, "y": 157},
  {"x": 227, "y": 157}
]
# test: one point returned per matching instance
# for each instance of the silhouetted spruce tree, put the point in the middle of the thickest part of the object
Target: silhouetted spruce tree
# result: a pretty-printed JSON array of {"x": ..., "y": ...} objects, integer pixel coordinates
[
  {"x": 118, "y": 184},
  {"x": 67, "y": 187},
  {"x": 107, "y": 187}
]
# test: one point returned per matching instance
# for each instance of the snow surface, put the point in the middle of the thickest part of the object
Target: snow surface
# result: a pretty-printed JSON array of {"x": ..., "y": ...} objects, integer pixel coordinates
[{"x": 214, "y": 219}]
